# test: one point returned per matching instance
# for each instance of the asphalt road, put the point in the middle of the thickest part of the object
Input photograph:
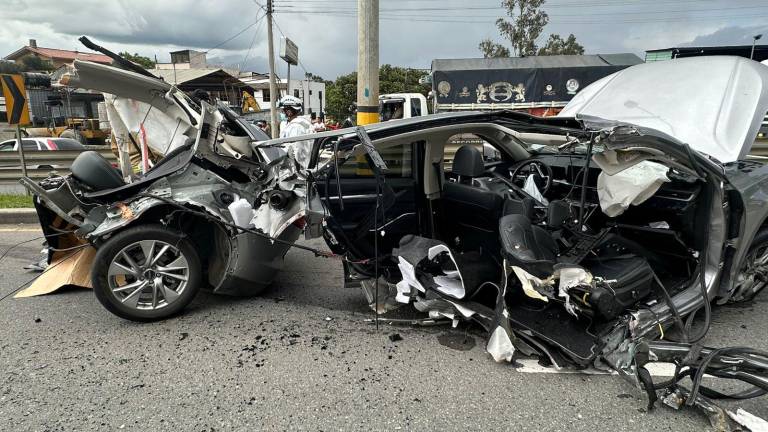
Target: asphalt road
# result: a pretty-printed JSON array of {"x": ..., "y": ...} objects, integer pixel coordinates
[{"x": 299, "y": 357}]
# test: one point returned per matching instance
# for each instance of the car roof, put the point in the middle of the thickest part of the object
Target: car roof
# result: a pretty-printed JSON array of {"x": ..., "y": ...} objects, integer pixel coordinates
[{"x": 394, "y": 127}]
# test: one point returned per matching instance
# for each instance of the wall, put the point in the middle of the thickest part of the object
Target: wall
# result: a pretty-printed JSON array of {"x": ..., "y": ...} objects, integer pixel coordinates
[{"x": 310, "y": 92}]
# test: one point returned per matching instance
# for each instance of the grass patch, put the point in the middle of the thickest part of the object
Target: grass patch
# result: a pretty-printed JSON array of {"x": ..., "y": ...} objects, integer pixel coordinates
[{"x": 15, "y": 201}]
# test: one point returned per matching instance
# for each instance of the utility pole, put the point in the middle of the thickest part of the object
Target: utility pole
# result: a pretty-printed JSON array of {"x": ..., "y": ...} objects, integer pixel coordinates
[
  {"x": 273, "y": 93},
  {"x": 367, "y": 61}
]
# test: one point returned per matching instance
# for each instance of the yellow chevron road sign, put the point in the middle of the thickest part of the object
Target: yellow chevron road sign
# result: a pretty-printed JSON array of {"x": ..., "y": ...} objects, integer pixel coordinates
[{"x": 16, "y": 106}]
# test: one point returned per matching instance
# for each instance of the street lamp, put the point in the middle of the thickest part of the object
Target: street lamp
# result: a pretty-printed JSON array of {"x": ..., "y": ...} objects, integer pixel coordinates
[{"x": 755, "y": 38}]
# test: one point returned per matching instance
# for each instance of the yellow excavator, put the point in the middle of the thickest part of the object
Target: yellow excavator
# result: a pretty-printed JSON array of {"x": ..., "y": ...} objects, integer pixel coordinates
[
  {"x": 249, "y": 103},
  {"x": 85, "y": 130}
]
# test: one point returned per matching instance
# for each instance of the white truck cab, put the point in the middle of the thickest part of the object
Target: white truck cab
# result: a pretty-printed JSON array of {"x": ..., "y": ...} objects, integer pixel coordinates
[{"x": 394, "y": 106}]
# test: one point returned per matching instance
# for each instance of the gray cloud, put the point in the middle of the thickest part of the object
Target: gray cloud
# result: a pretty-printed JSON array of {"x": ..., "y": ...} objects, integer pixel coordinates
[
  {"x": 729, "y": 36},
  {"x": 327, "y": 40}
]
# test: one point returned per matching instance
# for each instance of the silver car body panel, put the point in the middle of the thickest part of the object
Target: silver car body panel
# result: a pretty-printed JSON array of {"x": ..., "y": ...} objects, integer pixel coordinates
[{"x": 714, "y": 104}]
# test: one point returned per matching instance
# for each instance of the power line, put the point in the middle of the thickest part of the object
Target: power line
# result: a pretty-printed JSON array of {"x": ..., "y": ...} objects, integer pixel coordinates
[
  {"x": 556, "y": 20},
  {"x": 228, "y": 39},
  {"x": 548, "y": 5},
  {"x": 684, "y": 11},
  {"x": 255, "y": 33}
]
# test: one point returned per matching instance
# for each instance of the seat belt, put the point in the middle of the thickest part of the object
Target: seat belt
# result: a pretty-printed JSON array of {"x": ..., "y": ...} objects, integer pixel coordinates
[
  {"x": 433, "y": 231},
  {"x": 436, "y": 165}
]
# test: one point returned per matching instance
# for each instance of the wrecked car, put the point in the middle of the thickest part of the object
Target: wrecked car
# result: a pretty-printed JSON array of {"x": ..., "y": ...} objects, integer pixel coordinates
[{"x": 592, "y": 240}]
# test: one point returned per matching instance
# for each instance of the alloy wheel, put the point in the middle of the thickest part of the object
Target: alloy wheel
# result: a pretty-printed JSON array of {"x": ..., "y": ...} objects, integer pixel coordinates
[
  {"x": 148, "y": 274},
  {"x": 754, "y": 274}
]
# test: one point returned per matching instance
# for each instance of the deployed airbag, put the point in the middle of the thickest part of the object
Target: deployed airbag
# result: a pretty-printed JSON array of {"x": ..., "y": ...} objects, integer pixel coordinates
[{"x": 631, "y": 186}]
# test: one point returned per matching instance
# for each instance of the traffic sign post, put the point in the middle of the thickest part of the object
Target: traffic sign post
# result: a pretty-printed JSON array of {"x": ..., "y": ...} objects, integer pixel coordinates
[
  {"x": 16, "y": 109},
  {"x": 21, "y": 153}
]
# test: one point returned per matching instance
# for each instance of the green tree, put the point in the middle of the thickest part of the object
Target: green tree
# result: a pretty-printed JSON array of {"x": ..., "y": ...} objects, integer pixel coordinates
[
  {"x": 35, "y": 64},
  {"x": 491, "y": 49},
  {"x": 7, "y": 67},
  {"x": 145, "y": 62},
  {"x": 342, "y": 93},
  {"x": 527, "y": 24},
  {"x": 315, "y": 78},
  {"x": 556, "y": 46}
]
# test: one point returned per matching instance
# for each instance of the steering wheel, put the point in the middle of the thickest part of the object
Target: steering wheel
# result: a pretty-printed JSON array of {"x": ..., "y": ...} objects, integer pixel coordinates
[{"x": 542, "y": 174}]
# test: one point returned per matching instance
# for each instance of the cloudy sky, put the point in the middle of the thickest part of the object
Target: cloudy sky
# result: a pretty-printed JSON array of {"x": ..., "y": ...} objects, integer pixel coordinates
[{"x": 413, "y": 32}]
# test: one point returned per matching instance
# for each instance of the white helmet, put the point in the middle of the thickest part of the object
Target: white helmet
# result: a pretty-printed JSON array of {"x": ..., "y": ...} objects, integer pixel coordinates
[{"x": 290, "y": 102}]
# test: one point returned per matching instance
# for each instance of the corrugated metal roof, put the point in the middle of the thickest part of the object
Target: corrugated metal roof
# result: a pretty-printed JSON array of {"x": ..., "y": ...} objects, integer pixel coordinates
[{"x": 537, "y": 62}]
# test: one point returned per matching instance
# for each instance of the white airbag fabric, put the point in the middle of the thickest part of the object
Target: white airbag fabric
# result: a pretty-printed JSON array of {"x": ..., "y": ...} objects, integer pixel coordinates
[
  {"x": 631, "y": 186},
  {"x": 531, "y": 189},
  {"x": 500, "y": 346}
]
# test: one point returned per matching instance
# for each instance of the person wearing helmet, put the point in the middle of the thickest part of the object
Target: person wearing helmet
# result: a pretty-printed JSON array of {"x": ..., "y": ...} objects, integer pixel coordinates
[{"x": 295, "y": 125}]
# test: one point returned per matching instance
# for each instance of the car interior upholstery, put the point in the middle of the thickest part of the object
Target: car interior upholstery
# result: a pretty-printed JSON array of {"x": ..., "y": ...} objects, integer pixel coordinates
[{"x": 478, "y": 210}]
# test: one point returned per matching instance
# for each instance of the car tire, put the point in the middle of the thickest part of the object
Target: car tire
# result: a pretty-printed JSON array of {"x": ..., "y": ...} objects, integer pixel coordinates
[
  {"x": 137, "y": 290},
  {"x": 747, "y": 284}
]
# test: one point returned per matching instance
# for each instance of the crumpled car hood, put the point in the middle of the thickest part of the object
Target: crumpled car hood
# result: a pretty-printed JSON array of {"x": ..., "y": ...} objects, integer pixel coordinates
[{"x": 713, "y": 104}]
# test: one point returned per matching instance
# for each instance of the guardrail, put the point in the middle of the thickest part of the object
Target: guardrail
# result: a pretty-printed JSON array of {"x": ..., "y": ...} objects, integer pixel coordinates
[
  {"x": 41, "y": 163},
  {"x": 759, "y": 148}
]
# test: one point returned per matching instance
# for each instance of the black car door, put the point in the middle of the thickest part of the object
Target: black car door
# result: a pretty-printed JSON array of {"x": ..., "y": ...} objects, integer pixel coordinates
[{"x": 353, "y": 200}]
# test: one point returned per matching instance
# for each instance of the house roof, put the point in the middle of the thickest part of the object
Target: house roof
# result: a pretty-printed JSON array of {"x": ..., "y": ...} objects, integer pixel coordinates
[{"x": 60, "y": 54}]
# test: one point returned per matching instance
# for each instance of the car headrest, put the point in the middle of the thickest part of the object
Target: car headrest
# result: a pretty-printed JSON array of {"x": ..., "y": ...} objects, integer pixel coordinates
[
  {"x": 468, "y": 162},
  {"x": 94, "y": 170}
]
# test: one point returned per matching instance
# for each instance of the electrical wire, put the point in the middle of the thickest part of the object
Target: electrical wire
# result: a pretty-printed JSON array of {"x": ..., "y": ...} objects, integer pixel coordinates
[
  {"x": 229, "y": 38},
  {"x": 45, "y": 236},
  {"x": 253, "y": 40}
]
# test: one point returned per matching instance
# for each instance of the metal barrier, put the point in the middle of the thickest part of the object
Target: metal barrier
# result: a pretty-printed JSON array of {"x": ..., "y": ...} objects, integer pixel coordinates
[
  {"x": 759, "y": 148},
  {"x": 41, "y": 163}
]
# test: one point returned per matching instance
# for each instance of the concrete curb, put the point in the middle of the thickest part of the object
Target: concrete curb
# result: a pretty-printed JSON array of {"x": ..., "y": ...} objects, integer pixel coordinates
[{"x": 18, "y": 216}]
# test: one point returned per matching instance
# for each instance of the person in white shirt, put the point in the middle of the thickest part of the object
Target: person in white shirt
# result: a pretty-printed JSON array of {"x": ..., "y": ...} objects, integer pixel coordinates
[
  {"x": 295, "y": 125},
  {"x": 318, "y": 125}
]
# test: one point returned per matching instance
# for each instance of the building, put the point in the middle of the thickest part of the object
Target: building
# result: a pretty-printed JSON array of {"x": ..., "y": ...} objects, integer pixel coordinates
[
  {"x": 312, "y": 93},
  {"x": 57, "y": 57},
  {"x": 185, "y": 59},
  {"x": 218, "y": 83},
  {"x": 761, "y": 52}
]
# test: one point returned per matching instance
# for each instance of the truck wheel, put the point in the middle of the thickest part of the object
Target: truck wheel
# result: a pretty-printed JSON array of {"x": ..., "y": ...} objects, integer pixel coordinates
[{"x": 146, "y": 273}]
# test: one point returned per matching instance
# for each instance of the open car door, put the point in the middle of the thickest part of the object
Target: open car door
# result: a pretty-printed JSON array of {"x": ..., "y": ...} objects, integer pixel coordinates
[{"x": 361, "y": 202}]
